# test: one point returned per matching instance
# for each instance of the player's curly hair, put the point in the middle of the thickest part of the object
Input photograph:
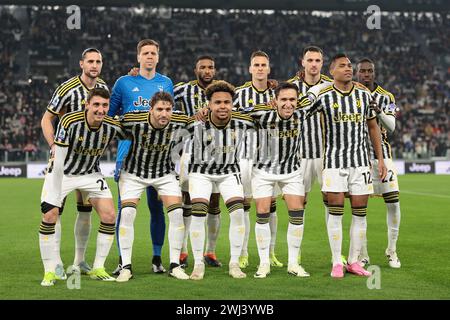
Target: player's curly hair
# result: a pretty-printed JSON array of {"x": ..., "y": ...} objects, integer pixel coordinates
[
  {"x": 219, "y": 86},
  {"x": 161, "y": 96}
]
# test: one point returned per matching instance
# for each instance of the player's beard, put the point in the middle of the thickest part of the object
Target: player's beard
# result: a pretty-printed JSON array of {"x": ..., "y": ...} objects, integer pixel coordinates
[{"x": 92, "y": 75}]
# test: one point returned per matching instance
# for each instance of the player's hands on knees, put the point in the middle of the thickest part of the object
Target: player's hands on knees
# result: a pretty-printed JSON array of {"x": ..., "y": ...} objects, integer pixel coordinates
[
  {"x": 202, "y": 114},
  {"x": 133, "y": 71},
  {"x": 382, "y": 170}
]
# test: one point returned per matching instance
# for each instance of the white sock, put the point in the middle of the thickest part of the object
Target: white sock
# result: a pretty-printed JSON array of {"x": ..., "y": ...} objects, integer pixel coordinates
[
  {"x": 126, "y": 234},
  {"x": 197, "y": 235},
  {"x": 236, "y": 234},
  {"x": 244, "y": 251},
  {"x": 58, "y": 241},
  {"x": 364, "y": 253},
  {"x": 47, "y": 243},
  {"x": 334, "y": 227},
  {"x": 176, "y": 234},
  {"x": 105, "y": 239},
  {"x": 294, "y": 240},
  {"x": 82, "y": 230},
  {"x": 187, "y": 224},
  {"x": 327, "y": 212},
  {"x": 262, "y": 233},
  {"x": 213, "y": 223},
  {"x": 273, "y": 223},
  {"x": 357, "y": 235},
  {"x": 393, "y": 223}
]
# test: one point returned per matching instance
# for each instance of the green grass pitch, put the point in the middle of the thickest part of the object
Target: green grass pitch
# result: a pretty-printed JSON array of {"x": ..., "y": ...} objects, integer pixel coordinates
[{"x": 423, "y": 248}]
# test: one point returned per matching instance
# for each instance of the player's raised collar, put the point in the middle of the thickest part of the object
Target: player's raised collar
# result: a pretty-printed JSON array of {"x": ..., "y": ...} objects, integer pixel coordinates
[
  {"x": 312, "y": 85},
  {"x": 85, "y": 86},
  {"x": 344, "y": 93},
  {"x": 157, "y": 75},
  {"x": 375, "y": 87},
  {"x": 260, "y": 91},
  {"x": 281, "y": 118}
]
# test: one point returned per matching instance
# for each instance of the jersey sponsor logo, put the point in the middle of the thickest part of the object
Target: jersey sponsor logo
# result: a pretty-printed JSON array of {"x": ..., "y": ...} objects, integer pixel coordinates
[
  {"x": 95, "y": 152},
  {"x": 344, "y": 117},
  {"x": 141, "y": 102}
]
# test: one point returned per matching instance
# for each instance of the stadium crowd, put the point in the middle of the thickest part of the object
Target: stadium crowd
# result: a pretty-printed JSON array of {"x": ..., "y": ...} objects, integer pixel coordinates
[{"x": 408, "y": 52}]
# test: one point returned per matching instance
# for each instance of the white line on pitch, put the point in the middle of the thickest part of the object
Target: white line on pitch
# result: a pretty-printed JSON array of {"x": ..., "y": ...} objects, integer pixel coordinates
[{"x": 426, "y": 194}]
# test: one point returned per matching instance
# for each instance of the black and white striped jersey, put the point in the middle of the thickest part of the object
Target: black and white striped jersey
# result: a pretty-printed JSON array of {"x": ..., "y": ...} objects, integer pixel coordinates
[
  {"x": 85, "y": 144},
  {"x": 278, "y": 139},
  {"x": 71, "y": 96},
  {"x": 344, "y": 118},
  {"x": 386, "y": 101},
  {"x": 189, "y": 97},
  {"x": 311, "y": 139},
  {"x": 247, "y": 96},
  {"x": 150, "y": 155},
  {"x": 216, "y": 150}
]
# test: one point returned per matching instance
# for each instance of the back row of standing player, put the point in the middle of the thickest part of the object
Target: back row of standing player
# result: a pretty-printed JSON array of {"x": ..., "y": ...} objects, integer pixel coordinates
[{"x": 191, "y": 97}]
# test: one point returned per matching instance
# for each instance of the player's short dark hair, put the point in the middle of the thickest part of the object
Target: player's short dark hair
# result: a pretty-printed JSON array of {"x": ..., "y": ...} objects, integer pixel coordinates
[
  {"x": 337, "y": 56},
  {"x": 283, "y": 86},
  {"x": 161, "y": 96},
  {"x": 312, "y": 49},
  {"x": 98, "y": 92},
  {"x": 259, "y": 53},
  {"x": 204, "y": 57},
  {"x": 219, "y": 86},
  {"x": 147, "y": 42},
  {"x": 86, "y": 51},
  {"x": 366, "y": 60}
]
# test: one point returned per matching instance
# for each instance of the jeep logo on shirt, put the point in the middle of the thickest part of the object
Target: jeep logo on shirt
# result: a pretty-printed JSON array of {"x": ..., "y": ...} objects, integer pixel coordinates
[{"x": 141, "y": 102}]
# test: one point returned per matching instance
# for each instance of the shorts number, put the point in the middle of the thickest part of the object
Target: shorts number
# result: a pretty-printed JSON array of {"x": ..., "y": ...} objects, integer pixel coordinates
[
  {"x": 367, "y": 177},
  {"x": 238, "y": 178},
  {"x": 389, "y": 174},
  {"x": 102, "y": 184}
]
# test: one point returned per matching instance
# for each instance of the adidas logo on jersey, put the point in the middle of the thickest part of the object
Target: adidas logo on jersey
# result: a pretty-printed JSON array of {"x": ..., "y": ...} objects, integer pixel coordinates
[{"x": 135, "y": 89}]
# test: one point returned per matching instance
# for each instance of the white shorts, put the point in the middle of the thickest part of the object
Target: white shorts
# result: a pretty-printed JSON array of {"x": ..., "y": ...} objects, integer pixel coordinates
[
  {"x": 132, "y": 186},
  {"x": 184, "y": 173},
  {"x": 390, "y": 183},
  {"x": 202, "y": 185},
  {"x": 246, "y": 167},
  {"x": 311, "y": 171},
  {"x": 355, "y": 181},
  {"x": 91, "y": 185},
  {"x": 263, "y": 183}
]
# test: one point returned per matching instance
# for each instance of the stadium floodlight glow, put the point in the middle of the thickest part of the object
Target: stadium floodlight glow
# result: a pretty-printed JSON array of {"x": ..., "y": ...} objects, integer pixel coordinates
[{"x": 139, "y": 10}]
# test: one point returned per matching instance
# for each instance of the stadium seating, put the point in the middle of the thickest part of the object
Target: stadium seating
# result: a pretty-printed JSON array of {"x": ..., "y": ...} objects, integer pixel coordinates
[{"x": 410, "y": 54}]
